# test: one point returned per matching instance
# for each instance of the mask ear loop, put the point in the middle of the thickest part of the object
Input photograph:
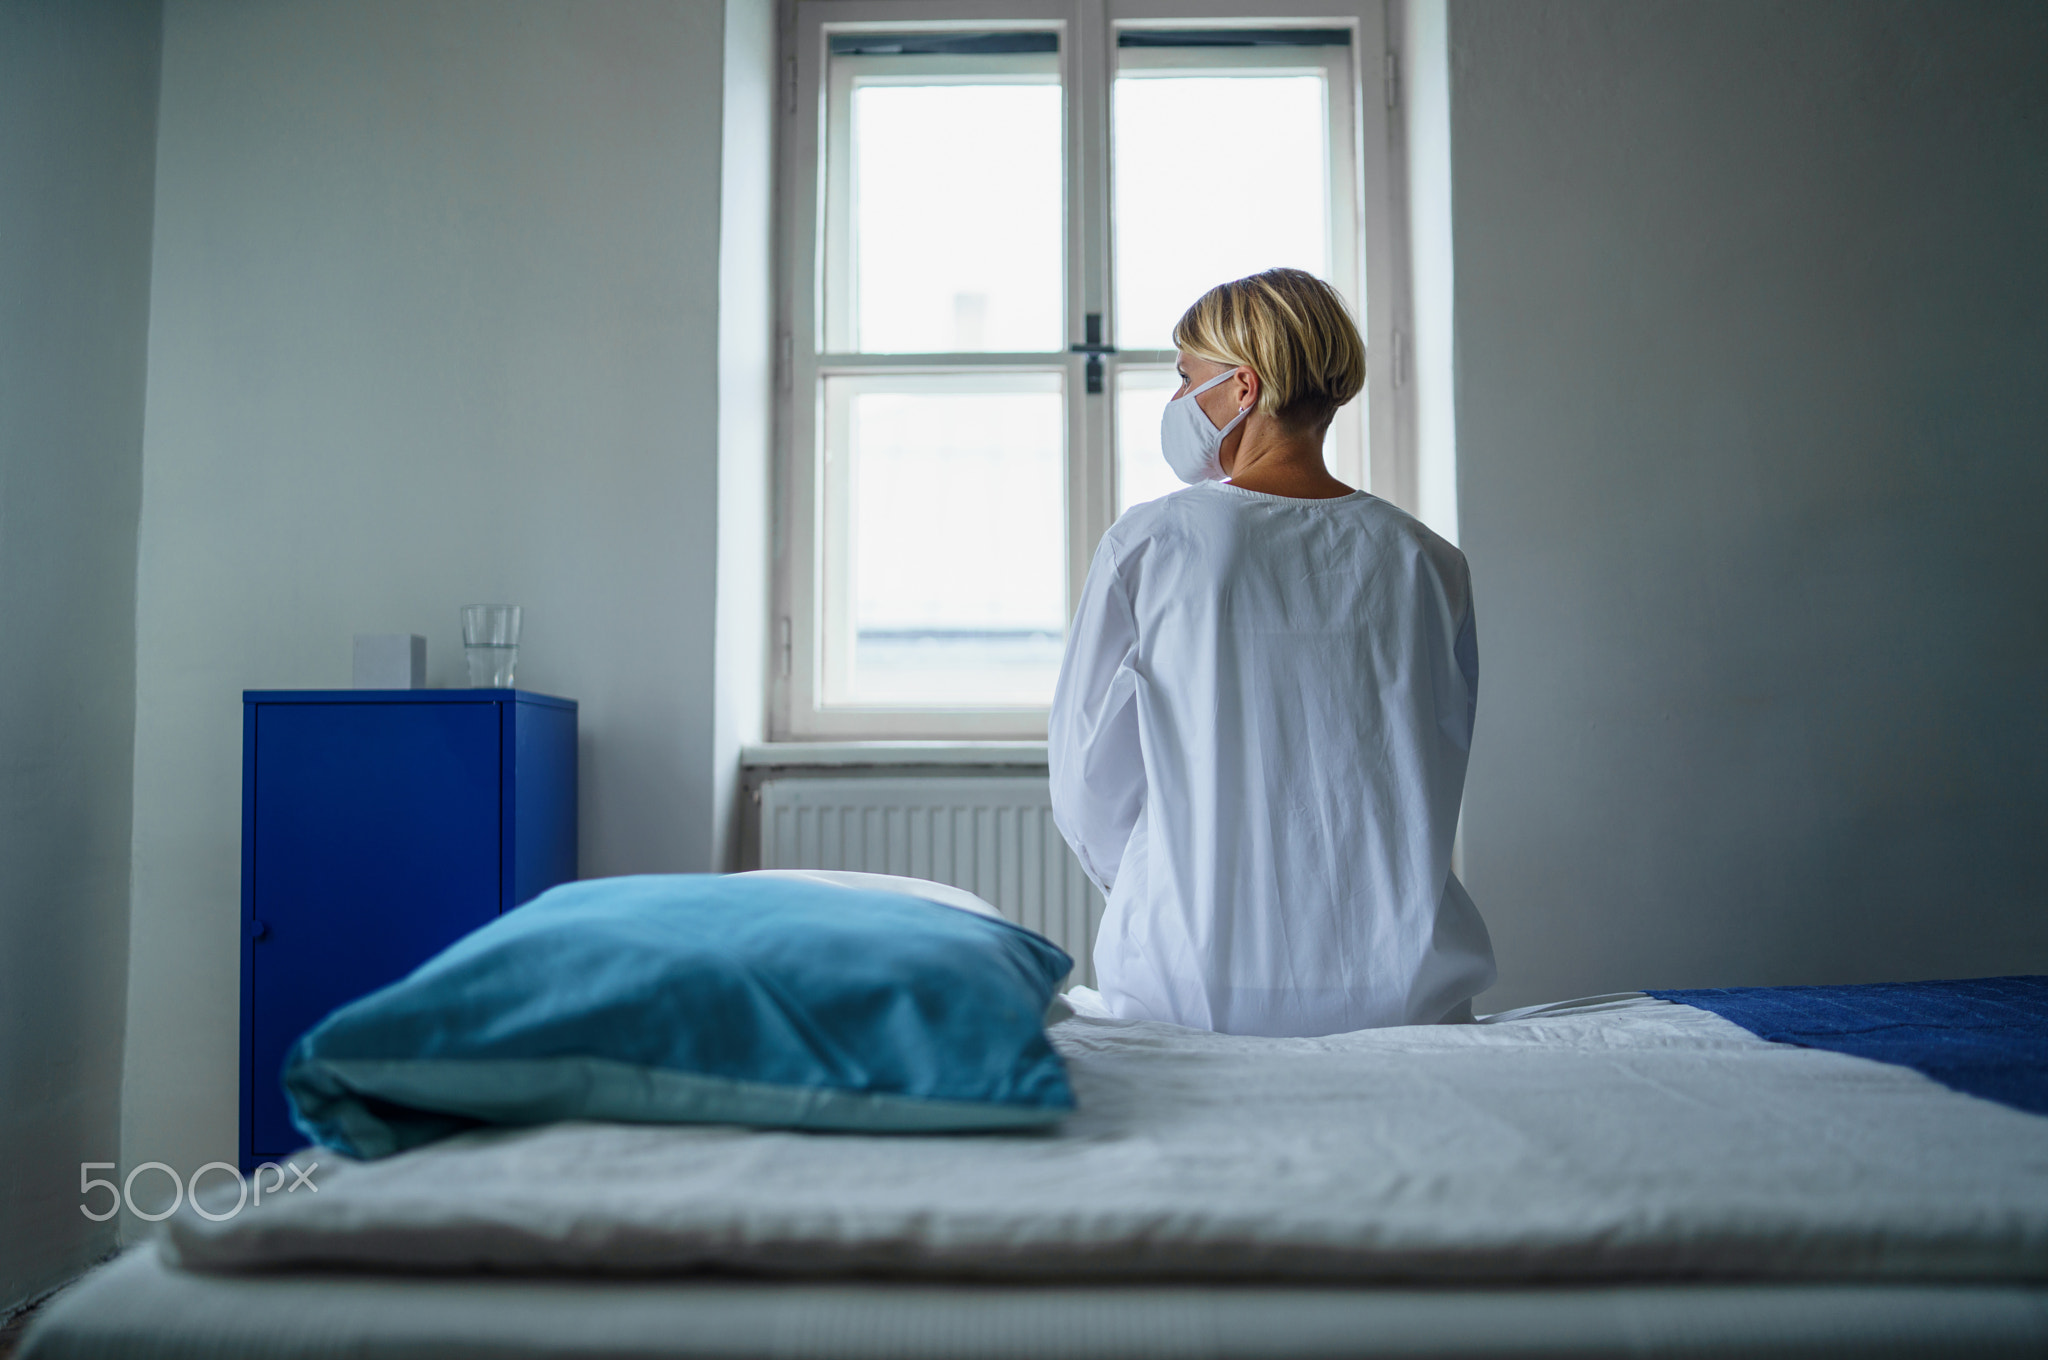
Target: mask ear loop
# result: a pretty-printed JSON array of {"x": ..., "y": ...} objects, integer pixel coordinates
[
  {"x": 1217, "y": 381},
  {"x": 1224, "y": 434}
]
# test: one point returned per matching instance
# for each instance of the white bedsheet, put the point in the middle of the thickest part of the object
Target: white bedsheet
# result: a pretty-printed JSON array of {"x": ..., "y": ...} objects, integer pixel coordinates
[{"x": 1641, "y": 1139}]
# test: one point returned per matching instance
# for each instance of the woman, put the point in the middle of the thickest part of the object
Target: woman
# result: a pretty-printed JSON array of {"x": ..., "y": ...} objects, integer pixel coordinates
[{"x": 1259, "y": 737}]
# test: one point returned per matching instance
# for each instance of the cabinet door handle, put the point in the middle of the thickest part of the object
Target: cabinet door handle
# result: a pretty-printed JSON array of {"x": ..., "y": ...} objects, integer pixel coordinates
[{"x": 258, "y": 929}]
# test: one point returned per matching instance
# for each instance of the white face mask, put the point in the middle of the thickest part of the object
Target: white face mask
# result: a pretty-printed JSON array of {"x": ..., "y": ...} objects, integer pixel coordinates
[{"x": 1190, "y": 440}]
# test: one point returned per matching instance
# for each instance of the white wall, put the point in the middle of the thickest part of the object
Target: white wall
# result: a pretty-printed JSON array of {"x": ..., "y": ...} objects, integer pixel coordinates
[
  {"x": 435, "y": 320},
  {"x": 77, "y": 140},
  {"x": 1752, "y": 328}
]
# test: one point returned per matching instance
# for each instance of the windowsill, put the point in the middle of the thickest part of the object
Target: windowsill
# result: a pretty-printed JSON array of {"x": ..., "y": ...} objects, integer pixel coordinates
[{"x": 815, "y": 754}]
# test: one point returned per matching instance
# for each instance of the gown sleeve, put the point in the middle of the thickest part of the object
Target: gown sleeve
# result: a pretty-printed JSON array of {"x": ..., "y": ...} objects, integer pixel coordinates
[{"x": 1097, "y": 766}]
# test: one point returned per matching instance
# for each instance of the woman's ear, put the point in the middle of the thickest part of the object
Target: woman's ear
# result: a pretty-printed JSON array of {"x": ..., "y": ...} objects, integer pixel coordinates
[{"x": 1247, "y": 388}]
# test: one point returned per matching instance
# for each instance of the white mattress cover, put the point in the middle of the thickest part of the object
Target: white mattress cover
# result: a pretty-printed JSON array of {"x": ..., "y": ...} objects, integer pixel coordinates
[
  {"x": 140, "y": 1309},
  {"x": 1636, "y": 1140}
]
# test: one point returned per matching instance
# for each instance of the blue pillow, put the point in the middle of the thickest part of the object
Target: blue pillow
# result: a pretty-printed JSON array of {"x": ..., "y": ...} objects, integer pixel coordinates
[{"x": 697, "y": 998}]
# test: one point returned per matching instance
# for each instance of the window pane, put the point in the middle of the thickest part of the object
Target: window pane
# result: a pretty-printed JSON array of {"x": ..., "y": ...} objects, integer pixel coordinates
[
  {"x": 954, "y": 539},
  {"x": 1141, "y": 470},
  {"x": 957, "y": 216},
  {"x": 1176, "y": 238}
]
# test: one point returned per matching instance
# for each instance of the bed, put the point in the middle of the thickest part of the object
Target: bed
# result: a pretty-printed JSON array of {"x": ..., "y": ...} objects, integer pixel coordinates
[{"x": 1627, "y": 1176}]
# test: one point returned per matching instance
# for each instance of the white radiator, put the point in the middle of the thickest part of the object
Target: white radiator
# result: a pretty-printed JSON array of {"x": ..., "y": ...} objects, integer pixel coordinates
[{"x": 992, "y": 835}]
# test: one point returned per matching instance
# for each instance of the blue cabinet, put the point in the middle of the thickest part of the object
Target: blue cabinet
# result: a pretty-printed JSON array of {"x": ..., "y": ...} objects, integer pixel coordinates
[{"x": 378, "y": 827}]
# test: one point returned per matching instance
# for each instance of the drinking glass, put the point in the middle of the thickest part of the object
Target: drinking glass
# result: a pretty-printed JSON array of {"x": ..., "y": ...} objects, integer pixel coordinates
[{"x": 490, "y": 641}]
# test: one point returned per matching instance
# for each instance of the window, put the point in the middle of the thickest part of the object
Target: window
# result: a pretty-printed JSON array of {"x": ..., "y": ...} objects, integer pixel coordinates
[{"x": 995, "y": 215}]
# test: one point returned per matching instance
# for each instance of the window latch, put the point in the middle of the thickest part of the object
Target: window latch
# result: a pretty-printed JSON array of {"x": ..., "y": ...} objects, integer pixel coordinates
[{"x": 1094, "y": 349}]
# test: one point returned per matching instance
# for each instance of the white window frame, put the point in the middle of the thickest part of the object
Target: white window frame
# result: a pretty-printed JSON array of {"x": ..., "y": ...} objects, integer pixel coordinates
[{"x": 812, "y": 229}]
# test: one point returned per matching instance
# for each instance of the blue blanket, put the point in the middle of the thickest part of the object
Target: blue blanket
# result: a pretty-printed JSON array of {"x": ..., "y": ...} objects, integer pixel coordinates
[{"x": 1983, "y": 1036}]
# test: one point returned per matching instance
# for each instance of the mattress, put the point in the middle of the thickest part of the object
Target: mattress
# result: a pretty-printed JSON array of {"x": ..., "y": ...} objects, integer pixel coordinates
[
  {"x": 139, "y": 1308},
  {"x": 1632, "y": 1140}
]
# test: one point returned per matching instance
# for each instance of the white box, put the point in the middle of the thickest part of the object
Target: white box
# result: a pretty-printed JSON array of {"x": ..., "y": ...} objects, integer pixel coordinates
[{"x": 390, "y": 661}]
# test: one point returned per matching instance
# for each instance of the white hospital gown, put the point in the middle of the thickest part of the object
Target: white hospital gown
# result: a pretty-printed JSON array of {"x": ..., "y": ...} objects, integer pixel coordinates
[{"x": 1258, "y": 749}]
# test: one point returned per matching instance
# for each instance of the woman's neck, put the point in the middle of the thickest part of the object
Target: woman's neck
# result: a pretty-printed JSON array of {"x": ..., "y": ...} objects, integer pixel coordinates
[{"x": 1279, "y": 461}]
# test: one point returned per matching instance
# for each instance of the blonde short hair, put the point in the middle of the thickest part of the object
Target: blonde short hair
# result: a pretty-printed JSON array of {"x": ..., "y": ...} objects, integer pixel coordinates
[{"x": 1291, "y": 329}]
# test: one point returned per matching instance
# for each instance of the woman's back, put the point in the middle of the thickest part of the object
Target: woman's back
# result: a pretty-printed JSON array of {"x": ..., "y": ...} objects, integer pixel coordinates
[{"x": 1259, "y": 746}]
